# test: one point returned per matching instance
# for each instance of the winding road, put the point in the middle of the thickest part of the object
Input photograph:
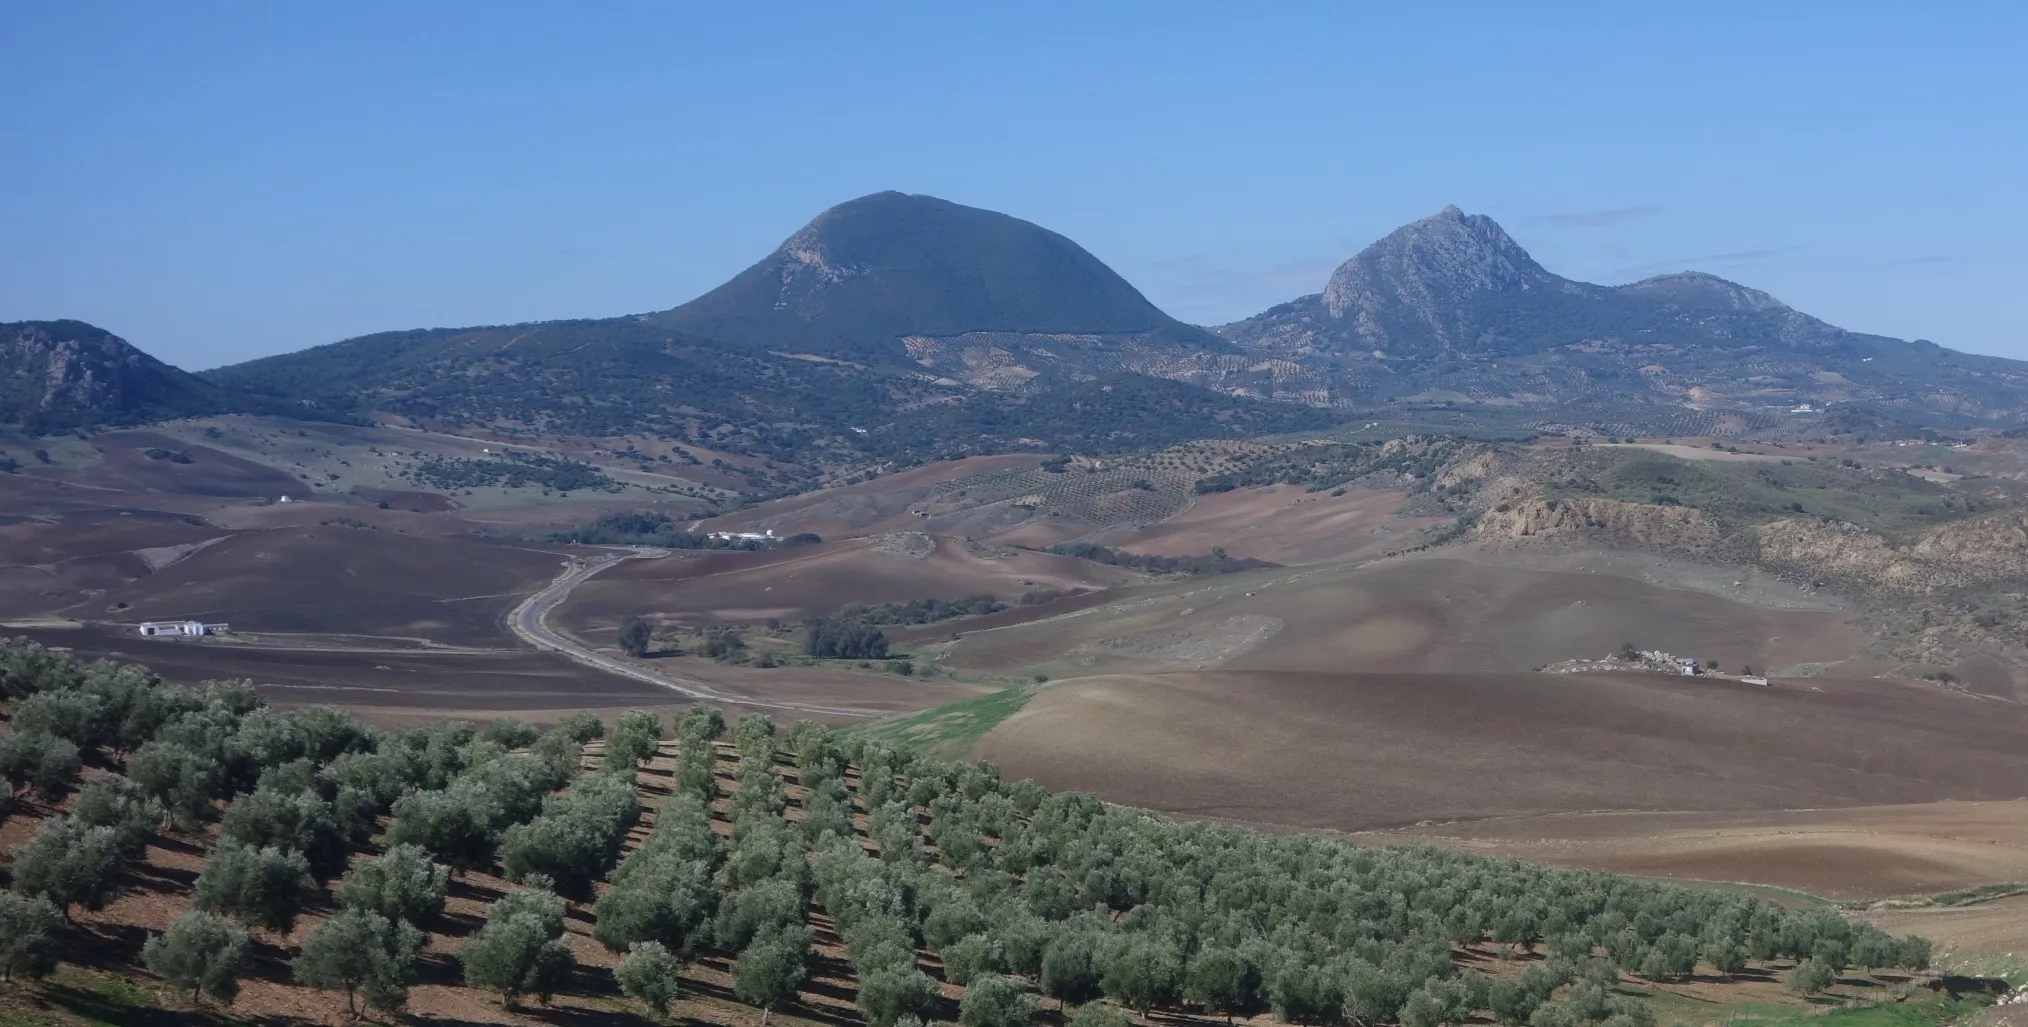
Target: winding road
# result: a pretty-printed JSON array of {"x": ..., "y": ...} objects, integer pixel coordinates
[{"x": 530, "y": 621}]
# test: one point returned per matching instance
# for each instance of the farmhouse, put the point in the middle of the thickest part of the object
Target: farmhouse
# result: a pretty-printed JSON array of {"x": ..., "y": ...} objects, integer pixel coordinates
[
  {"x": 180, "y": 627},
  {"x": 745, "y": 536}
]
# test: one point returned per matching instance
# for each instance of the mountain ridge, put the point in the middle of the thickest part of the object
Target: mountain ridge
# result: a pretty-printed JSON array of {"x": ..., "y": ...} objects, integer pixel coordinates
[{"x": 65, "y": 374}]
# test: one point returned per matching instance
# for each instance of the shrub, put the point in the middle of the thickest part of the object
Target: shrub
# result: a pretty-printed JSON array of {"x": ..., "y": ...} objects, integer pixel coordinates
[
  {"x": 117, "y": 803},
  {"x": 199, "y": 954}
]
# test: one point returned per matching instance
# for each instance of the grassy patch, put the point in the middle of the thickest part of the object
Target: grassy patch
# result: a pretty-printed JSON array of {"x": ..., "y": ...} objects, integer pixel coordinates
[
  {"x": 1982, "y": 893},
  {"x": 952, "y": 730},
  {"x": 1973, "y": 963},
  {"x": 1923, "y": 1009},
  {"x": 1786, "y": 896}
]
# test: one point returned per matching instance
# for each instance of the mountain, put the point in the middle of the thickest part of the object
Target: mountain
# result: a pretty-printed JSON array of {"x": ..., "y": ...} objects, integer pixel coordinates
[
  {"x": 868, "y": 274},
  {"x": 889, "y": 327},
  {"x": 58, "y": 375},
  {"x": 1452, "y": 309}
]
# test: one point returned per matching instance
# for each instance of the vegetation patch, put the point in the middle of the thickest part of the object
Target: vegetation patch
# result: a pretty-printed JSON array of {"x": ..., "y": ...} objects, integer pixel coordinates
[{"x": 953, "y": 729}]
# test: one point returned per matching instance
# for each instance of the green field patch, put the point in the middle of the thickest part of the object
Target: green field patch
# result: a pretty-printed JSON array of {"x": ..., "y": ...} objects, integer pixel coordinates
[{"x": 953, "y": 729}]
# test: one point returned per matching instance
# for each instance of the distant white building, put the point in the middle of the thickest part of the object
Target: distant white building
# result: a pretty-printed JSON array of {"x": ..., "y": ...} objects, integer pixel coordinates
[
  {"x": 745, "y": 536},
  {"x": 180, "y": 627},
  {"x": 1803, "y": 408},
  {"x": 1753, "y": 679}
]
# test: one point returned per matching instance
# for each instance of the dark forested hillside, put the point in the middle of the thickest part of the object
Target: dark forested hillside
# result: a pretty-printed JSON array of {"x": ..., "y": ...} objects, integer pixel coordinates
[
  {"x": 867, "y": 274},
  {"x": 57, "y": 375}
]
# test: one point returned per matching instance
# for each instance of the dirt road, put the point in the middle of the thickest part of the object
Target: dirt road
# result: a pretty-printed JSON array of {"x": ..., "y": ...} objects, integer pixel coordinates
[{"x": 530, "y": 621}]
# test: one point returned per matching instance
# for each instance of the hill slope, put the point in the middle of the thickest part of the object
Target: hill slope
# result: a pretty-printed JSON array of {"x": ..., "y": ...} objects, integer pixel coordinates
[
  {"x": 57, "y": 375},
  {"x": 1452, "y": 308},
  {"x": 867, "y": 274},
  {"x": 817, "y": 356}
]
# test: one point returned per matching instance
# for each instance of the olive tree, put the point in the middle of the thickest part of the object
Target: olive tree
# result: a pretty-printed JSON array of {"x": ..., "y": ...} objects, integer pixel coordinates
[
  {"x": 996, "y": 1001},
  {"x": 768, "y": 971},
  {"x": 888, "y": 993},
  {"x": 70, "y": 864},
  {"x": 265, "y": 887},
  {"x": 517, "y": 953},
  {"x": 27, "y": 937},
  {"x": 647, "y": 974},
  {"x": 199, "y": 954},
  {"x": 364, "y": 954},
  {"x": 401, "y": 884}
]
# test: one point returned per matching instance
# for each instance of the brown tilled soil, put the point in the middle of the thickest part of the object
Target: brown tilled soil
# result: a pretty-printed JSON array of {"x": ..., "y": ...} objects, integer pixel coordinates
[
  {"x": 699, "y": 588},
  {"x": 333, "y": 579},
  {"x": 1281, "y": 524},
  {"x": 881, "y": 505},
  {"x": 1353, "y": 751},
  {"x": 420, "y": 681},
  {"x": 1866, "y": 852},
  {"x": 1409, "y": 615}
]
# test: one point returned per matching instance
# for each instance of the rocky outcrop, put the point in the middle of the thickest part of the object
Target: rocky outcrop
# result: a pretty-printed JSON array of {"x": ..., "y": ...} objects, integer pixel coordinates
[
  {"x": 57, "y": 375},
  {"x": 1963, "y": 553},
  {"x": 1679, "y": 529}
]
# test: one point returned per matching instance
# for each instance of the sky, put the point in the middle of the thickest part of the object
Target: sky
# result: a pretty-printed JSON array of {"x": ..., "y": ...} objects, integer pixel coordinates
[{"x": 221, "y": 181}]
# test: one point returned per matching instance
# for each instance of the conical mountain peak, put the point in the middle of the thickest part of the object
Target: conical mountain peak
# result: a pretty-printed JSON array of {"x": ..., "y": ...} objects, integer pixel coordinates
[{"x": 871, "y": 272}]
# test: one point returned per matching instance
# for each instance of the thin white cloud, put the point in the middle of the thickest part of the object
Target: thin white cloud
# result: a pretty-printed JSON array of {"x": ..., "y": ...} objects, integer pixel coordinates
[{"x": 1594, "y": 218}]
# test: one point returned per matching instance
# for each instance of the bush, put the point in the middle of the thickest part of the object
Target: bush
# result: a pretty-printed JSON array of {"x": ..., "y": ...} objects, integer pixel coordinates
[
  {"x": 455, "y": 827},
  {"x": 635, "y": 636},
  {"x": 27, "y": 937},
  {"x": 365, "y": 954},
  {"x": 199, "y": 954},
  {"x": 841, "y": 639}
]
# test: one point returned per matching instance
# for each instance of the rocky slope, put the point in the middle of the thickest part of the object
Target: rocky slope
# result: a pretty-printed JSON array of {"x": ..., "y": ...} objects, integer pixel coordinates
[
  {"x": 57, "y": 375},
  {"x": 1451, "y": 308}
]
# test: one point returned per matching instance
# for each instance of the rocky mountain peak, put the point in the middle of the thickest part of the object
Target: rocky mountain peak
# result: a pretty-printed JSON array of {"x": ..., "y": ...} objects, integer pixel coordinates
[
  {"x": 65, "y": 374},
  {"x": 1419, "y": 272}
]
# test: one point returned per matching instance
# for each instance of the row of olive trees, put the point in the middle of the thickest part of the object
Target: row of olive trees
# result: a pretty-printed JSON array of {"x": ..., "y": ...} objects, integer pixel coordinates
[{"x": 1017, "y": 891}]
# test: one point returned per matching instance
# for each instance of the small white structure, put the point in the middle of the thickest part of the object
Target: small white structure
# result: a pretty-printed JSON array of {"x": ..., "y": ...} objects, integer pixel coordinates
[
  {"x": 745, "y": 536},
  {"x": 1803, "y": 408},
  {"x": 1753, "y": 679},
  {"x": 284, "y": 499},
  {"x": 180, "y": 627}
]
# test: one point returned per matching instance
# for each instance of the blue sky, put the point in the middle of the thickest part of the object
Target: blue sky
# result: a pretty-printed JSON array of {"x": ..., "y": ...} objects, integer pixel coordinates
[{"x": 219, "y": 181}]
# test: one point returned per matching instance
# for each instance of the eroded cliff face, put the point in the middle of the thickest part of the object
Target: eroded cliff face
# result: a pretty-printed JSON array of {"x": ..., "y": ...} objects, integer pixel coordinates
[
  {"x": 1977, "y": 551},
  {"x": 66, "y": 374},
  {"x": 1675, "y": 529}
]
